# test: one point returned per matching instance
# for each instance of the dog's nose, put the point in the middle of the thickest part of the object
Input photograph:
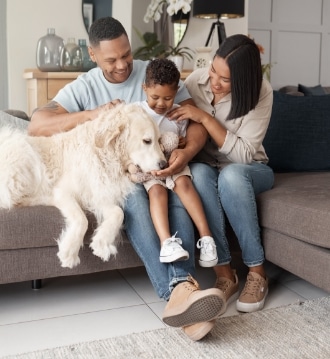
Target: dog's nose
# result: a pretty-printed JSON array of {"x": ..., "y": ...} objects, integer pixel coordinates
[{"x": 163, "y": 164}]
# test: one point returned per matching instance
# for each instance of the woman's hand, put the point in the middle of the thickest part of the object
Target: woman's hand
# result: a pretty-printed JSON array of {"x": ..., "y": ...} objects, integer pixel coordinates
[
  {"x": 200, "y": 118},
  {"x": 196, "y": 137},
  {"x": 188, "y": 112},
  {"x": 178, "y": 160}
]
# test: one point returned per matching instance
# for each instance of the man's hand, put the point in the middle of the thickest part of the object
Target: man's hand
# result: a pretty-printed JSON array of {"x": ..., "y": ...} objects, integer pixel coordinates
[{"x": 112, "y": 104}]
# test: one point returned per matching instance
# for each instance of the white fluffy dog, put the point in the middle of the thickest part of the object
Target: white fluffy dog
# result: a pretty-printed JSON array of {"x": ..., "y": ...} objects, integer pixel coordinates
[{"x": 82, "y": 169}]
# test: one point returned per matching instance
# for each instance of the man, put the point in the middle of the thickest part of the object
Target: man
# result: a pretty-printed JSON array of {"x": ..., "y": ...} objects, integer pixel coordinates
[{"x": 119, "y": 77}]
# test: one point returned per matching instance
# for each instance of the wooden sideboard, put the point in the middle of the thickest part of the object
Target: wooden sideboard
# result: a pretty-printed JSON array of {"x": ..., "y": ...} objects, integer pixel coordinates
[{"x": 43, "y": 86}]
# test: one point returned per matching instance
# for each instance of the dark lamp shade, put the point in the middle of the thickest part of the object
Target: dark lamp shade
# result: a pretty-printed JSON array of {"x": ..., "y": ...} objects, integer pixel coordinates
[{"x": 223, "y": 9}]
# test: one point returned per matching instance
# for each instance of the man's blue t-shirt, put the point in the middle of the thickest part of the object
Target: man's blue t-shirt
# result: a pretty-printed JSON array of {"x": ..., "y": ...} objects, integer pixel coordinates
[{"x": 91, "y": 89}]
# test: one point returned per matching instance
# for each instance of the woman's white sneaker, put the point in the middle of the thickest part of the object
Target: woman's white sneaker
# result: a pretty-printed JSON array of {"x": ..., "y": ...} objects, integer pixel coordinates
[
  {"x": 208, "y": 252},
  {"x": 171, "y": 251}
]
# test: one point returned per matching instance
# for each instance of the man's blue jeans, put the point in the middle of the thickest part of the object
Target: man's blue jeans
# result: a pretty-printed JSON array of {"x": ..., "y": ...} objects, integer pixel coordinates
[
  {"x": 144, "y": 239},
  {"x": 232, "y": 192}
]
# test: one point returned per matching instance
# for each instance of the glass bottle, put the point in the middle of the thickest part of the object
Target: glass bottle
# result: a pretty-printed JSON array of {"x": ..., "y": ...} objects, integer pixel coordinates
[
  {"x": 49, "y": 49},
  {"x": 71, "y": 56},
  {"x": 88, "y": 64}
]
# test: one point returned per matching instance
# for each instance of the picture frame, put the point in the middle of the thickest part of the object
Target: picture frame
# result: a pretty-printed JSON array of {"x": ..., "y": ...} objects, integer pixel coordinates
[{"x": 88, "y": 15}]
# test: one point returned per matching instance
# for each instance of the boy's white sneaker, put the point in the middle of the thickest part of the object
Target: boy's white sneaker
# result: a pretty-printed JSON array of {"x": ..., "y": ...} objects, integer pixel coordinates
[
  {"x": 171, "y": 251},
  {"x": 208, "y": 252}
]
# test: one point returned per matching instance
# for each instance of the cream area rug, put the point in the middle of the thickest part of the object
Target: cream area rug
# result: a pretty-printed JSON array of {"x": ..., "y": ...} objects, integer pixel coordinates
[{"x": 298, "y": 331}]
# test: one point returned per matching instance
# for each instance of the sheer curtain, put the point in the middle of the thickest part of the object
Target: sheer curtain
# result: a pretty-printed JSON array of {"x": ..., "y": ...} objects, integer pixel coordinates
[
  {"x": 171, "y": 30},
  {"x": 164, "y": 29}
]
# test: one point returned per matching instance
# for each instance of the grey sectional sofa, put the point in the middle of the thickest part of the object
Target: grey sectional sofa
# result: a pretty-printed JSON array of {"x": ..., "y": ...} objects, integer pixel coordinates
[{"x": 294, "y": 215}]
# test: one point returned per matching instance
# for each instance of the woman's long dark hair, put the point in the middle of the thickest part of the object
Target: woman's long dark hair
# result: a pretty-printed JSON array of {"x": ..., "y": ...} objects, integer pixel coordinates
[{"x": 243, "y": 59}]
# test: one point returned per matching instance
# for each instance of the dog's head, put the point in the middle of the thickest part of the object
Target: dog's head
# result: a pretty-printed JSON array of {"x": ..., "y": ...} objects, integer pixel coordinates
[
  {"x": 135, "y": 135},
  {"x": 143, "y": 145}
]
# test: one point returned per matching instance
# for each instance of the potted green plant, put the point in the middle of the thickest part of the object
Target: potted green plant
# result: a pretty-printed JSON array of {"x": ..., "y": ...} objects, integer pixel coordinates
[
  {"x": 152, "y": 47},
  {"x": 178, "y": 54}
]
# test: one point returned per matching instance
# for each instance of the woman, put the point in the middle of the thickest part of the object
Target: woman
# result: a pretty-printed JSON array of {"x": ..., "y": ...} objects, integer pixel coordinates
[{"x": 234, "y": 106}]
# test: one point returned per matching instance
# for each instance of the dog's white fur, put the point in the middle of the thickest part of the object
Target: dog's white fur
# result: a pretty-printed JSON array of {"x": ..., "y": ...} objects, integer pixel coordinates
[{"x": 82, "y": 169}]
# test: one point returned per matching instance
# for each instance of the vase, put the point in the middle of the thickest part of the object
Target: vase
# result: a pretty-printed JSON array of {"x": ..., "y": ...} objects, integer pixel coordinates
[
  {"x": 71, "y": 56},
  {"x": 203, "y": 57},
  {"x": 178, "y": 60},
  {"x": 87, "y": 63},
  {"x": 49, "y": 49}
]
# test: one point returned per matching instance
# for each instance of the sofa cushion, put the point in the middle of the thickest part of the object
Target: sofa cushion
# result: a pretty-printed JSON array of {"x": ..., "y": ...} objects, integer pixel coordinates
[
  {"x": 298, "y": 207},
  {"x": 298, "y": 137},
  {"x": 37, "y": 226},
  {"x": 293, "y": 90},
  {"x": 311, "y": 91}
]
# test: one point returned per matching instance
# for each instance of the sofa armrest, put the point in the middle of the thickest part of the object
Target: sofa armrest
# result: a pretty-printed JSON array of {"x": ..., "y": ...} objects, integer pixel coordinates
[{"x": 18, "y": 114}]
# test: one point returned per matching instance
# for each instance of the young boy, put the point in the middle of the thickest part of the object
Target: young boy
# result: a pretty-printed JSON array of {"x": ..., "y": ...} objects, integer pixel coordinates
[{"x": 161, "y": 86}]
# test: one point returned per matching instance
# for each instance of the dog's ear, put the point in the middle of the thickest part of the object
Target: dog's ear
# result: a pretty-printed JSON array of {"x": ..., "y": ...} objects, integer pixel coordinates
[{"x": 105, "y": 136}]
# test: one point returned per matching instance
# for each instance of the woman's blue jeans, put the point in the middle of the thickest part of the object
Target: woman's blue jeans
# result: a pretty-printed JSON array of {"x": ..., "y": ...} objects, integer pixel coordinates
[
  {"x": 232, "y": 193},
  {"x": 144, "y": 239}
]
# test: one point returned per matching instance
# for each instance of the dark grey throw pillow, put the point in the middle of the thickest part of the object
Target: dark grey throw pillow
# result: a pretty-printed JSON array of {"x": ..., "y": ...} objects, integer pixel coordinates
[
  {"x": 311, "y": 91},
  {"x": 298, "y": 136}
]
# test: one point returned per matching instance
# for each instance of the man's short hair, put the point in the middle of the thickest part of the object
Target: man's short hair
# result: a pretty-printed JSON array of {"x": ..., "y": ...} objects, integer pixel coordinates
[{"x": 106, "y": 28}]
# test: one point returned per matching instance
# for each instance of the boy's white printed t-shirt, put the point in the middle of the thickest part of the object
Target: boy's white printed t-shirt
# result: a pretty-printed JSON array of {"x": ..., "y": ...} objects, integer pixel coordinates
[{"x": 163, "y": 122}]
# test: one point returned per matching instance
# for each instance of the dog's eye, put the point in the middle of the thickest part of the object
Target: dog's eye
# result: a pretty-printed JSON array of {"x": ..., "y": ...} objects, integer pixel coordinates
[{"x": 147, "y": 141}]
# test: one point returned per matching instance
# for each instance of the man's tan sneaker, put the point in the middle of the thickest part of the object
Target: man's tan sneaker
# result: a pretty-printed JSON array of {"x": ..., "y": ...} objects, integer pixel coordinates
[
  {"x": 229, "y": 288},
  {"x": 189, "y": 305},
  {"x": 199, "y": 330},
  {"x": 254, "y": 294}
]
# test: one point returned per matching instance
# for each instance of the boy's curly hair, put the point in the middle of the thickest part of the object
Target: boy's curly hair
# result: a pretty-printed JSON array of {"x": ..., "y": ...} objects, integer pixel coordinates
[{"x": 162, "y": 72}]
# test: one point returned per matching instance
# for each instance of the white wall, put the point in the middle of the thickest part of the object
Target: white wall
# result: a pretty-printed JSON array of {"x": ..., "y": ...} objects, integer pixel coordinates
[
  {"x": 28, "y": 20},
  {"x": 296, "y": 38}
]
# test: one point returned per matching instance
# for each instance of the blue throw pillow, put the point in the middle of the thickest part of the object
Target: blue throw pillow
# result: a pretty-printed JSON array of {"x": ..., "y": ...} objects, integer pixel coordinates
[
  {"x": 298, "y": 136},
  {"x": 311, "y": 91}
]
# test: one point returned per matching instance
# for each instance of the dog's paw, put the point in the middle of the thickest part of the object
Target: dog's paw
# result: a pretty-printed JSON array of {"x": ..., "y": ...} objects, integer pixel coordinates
[
  {"x": 68, "y": 260},
  {"x": 103, "y": 249}
]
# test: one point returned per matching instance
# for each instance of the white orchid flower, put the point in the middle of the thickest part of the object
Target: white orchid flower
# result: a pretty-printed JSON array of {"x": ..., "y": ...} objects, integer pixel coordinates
[{"x": 155, "y": 8}]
